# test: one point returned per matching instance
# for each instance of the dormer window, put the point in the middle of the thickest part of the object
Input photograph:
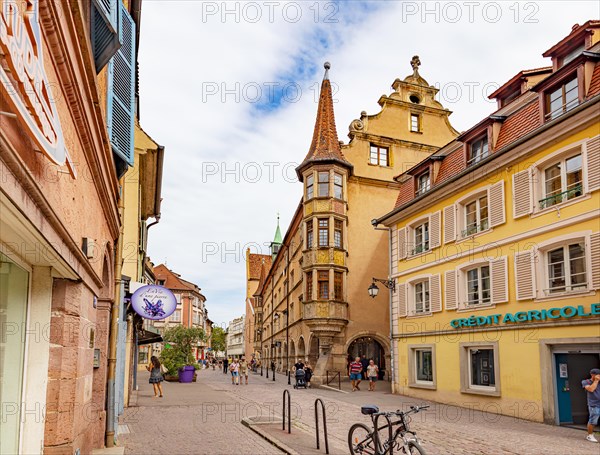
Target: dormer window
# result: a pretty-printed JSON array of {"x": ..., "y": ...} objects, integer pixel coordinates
[
  {"x": 562, "y": 99},
  {"x": 478, "y": 150},
  {"x": 571, "y": 55},
  {"x": 423, "y": 183}
]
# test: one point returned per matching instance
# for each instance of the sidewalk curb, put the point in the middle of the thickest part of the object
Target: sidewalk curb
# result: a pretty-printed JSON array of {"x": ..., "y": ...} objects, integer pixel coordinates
[
  {"x": 332, "y": 388},
  {"x": 274, "y": 441}
]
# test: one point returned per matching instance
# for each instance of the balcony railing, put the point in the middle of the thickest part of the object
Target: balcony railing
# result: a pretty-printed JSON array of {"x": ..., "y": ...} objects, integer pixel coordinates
[
  {"x": 420, "y": 248},
  {"x": 561, "y": 197},
  {"x": 475, "y": 228}
]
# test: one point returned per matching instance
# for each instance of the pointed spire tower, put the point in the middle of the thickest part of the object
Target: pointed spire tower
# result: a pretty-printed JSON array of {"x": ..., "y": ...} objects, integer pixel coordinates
[
  {"x": 277, "y": 240},
  {"x": 325, "y": 146}
]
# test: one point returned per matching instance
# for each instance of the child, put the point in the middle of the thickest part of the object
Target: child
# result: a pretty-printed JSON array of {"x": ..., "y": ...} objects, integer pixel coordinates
[{"x": 156, "y": 376}]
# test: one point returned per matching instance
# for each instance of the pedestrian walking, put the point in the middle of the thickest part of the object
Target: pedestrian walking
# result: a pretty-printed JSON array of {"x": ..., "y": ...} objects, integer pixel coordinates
[
  {"x": 156, "y": 376},
  {"x": 372, "y": 374},
  {"x": 244, "y": 370},
  {"x": 235, "y": 372},
  {"x": 225, "y": 365},
  {"x": 298, "y": 365},
  {"x": 365, "y": 363},
  {"x": 355, "y": 373},
  {"x": 593, "y": 401},
  {"x": 308, "y": 372}
]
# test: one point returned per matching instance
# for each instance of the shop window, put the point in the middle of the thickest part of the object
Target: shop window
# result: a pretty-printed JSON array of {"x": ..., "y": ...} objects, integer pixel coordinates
[
  {"x": 477, "y": 150},
  {"x": 379, "y": 155},
  {"x": 310, "y": 186},
  {"x": 422, "y": 366},
  {"x": 563, "y": 181},
  {"x": 480, "y": 370},
  {"x": 562, "y": 99},
  {"x": 14, "y": 285}
]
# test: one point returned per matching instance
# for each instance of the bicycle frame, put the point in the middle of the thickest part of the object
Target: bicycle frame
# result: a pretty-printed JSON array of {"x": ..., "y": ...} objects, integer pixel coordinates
[{"x": 392, "y": 435}]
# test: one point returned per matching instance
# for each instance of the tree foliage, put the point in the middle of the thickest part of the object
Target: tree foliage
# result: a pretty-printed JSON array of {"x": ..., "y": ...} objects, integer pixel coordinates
[
  {"x": 179, "y": 353},
  {"x": 218, "y": 339}
]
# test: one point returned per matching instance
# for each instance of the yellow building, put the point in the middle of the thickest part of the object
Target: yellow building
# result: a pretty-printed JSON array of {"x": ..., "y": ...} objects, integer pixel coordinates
[
  {"x": 497, "y": 264},
  {"x": 313, "y": 301}
]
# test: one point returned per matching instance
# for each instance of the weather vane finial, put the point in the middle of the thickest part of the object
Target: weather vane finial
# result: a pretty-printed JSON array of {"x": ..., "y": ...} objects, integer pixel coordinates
[
  {"x": 327, "y": 65},
  {"x": 415, "y": 63}
]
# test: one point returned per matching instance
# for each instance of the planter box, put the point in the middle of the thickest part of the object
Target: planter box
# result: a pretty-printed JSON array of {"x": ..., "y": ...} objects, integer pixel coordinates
[{"x": 173, "y": 378}]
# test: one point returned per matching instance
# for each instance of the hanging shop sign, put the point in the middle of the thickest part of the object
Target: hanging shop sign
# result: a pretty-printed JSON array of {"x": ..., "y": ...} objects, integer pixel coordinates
[
  {"x": 153, "y": 302},
  {"x": 566, "y": 312},
  {"x": 23, "y": 78}
]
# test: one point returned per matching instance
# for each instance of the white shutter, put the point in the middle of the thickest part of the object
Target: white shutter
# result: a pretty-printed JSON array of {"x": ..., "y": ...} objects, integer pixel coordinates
[
  {"x": 401, "y": 290},
  {"x": 450, "y": 223},
  {"x": 522, "y": 193},
  {"x": 401, "y": 243},
  {"x": 395, "y": 309},
  {"x": 435, "y": 293},
  {"x": 593, "y": 163},
  {"x": 394, "y": 247},
  {"x": 451, "y": 298},
  {"x": 499, "y": 280},
  {"x": 496, "y": 204},
  {"x": 595, "y": 255},
  {"x": 524, "y": 275},
  {"x": 435, "y": 229}
]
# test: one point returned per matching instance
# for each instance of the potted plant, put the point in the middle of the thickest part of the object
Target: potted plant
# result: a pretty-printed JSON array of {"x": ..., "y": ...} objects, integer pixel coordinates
[{"x": 178, "y": 356}]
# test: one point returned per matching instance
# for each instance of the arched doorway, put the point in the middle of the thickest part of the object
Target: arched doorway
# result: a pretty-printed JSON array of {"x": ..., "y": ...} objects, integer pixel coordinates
[{"x": 370, "y": 348}]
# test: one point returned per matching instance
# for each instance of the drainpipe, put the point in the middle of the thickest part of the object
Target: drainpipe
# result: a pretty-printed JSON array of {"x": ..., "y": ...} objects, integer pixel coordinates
[{"x": 114, "y": 327}]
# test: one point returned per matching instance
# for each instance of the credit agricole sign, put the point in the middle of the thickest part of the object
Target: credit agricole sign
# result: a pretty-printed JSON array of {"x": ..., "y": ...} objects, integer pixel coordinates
[
  {"x": 565, "y": 312},
  {"x": 23, "y": 78}
]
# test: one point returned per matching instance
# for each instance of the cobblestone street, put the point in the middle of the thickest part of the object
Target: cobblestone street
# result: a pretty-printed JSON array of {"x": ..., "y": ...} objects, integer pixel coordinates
[{"x": 205, "y": 417}]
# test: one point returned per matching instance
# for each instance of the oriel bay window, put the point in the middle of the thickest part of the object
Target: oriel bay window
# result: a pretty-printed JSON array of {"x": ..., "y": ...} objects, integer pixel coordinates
[
  {"x": 566, "y": 268},
  {"x": 323, "y": 232},
  {"x": 338, "y": 186},
  {"x": 338, "y": 236},
  {"x": 310, "y": 186},
  {"x": 562, "y": 181},
  {"x": 562, "y": 99},
  {"x": 309, "y": 285},
  {"x": 323, "y": 184},
  {"x": 476, "y": 216},
  {"x": 478, "y": 285},
  {"x": 323, "y": 284},
  {"x": 309, "y": 234},
  {"x": 338, "y": 285}
]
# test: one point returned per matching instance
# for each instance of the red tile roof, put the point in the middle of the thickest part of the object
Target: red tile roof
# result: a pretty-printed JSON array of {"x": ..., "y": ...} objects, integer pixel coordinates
[
  {"x": 325, "y": 145},
  {"x": 519, "y": 124},
  {"x": 452, "y": 165},
  {"x": 172, "y": 279},
  {"x": 255, "y": 264},
  {"x": 407, "y": 192}
]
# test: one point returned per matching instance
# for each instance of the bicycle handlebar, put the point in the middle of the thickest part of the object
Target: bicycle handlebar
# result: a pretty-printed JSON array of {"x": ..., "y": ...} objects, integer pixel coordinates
[{"x": 413, "y": 410}]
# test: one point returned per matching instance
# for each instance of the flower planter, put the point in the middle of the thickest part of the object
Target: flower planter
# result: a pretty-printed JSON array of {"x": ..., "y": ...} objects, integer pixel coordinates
[{"x": 186, "y": 374}]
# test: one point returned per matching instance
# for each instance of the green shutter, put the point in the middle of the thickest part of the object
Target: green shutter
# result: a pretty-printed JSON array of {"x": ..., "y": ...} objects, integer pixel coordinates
[{"x": 121, "y": 86}]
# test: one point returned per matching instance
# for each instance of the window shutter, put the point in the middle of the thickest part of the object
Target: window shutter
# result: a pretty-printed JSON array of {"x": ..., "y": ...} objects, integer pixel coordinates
[
  {"x": 497, "y": 204},
  {"x": 104, "y": 31},
  {"x": 593, "y": 163},
  {"x": 395, "y": 309},
  {"x": 401, "y": 290},
  {"x": 402, "y": 243},
  {"x": 394, "y": 250},
  {"x": 595, "y": 255},
  {"x": 450, "y": 286},
  {"x": 522, "y": 193},
  {"x": 499, "y": 280},
  {"x": 450, "y": 223},
  {"x": 121, "y": 86},
  {"x": 435, "y": 230},
  {"x": 435, "y": 293},
  {"x": 524, "y": 275}
]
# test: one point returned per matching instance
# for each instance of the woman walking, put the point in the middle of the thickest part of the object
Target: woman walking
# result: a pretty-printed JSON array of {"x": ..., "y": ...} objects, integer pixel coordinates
[
  {"x": 235, "y": 372},
  {"x": 372, "y": 373},
  {"x": 156, "y": 376},
  {"x": 308, "y": 373}
]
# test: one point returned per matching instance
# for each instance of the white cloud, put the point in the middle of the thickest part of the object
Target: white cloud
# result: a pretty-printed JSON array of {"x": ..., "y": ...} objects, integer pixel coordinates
[{"x": 181, "y": 56}]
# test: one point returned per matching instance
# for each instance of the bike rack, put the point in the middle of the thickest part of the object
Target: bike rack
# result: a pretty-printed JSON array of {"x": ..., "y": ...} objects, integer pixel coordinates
[
  {"x": 318, "y": 400},
  {"x": 289, "y": 413},
  {"x": 378, "y": 447}
]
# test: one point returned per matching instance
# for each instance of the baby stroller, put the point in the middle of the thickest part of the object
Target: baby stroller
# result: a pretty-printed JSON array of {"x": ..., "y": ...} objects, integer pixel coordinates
[{"x": 300, "y": 379}]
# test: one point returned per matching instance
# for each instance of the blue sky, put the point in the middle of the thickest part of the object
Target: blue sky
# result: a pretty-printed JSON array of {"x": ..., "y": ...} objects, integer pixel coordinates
[{"x": 212, "y": 76}]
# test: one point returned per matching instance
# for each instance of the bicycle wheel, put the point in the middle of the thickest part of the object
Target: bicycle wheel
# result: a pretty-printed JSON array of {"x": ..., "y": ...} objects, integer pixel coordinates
[
  {"x": 414, "y": 449},
  {"x": 360, "y": 440}
]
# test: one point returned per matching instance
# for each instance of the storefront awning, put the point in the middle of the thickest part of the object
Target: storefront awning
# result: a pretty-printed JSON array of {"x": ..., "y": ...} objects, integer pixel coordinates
[{"x": 148, "y": 337}]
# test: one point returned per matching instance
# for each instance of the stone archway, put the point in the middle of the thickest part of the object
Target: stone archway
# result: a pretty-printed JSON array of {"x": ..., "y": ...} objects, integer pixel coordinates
[
  {"x": 301, "y": 352},
  {"x": 372, "y": 346}
]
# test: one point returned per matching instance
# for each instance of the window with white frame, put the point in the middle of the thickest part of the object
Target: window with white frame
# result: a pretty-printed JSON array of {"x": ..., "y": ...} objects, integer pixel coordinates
[
  {"x": 478, "y": 285},
  {"x": 310, "y": 186},
  {"x": 480, "y": 369},
  {"x": 562, "y": 99},
  {"x": 415, "y": 123},
  {"x": 421, "y": 238},
  {"x": 177, "y": 298},
  {"x": 566, "y": 268},
  {"x": 477, "y": 150},
  {"x": 563, "y": 181},
  {"x": 176, "y": 317},
  {"x": 423, "y": 183},
  {"x": 422, "y": 303},
  {"x": 476, "y": 216}
]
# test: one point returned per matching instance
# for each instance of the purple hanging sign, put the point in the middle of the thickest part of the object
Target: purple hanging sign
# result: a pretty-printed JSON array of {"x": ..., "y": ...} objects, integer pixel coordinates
[{"x": 153, "y": 302}]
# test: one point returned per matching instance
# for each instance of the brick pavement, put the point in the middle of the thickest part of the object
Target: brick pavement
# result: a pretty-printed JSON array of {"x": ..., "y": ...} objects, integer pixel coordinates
[{"x": 206, "y": 418}]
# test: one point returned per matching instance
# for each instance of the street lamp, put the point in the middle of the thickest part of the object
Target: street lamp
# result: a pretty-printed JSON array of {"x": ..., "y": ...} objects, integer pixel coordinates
[
  {"x": 259, "y": 331},
  {"x": 374, "y": 290},
  {"x": 287, "y": 343}
]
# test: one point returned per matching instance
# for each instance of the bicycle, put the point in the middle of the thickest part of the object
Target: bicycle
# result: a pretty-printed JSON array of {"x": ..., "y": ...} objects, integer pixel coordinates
[{"x": 363, "y": 441}]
